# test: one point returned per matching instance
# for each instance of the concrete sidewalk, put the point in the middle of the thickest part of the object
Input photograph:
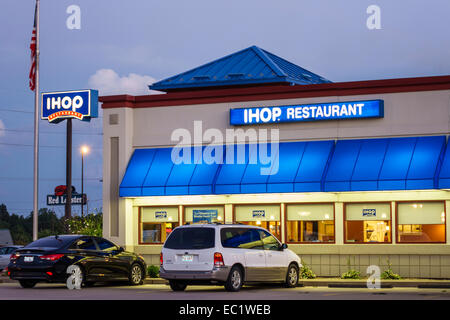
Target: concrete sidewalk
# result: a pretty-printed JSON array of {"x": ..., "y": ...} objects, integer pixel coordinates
[{"x": 347, "y": 283}]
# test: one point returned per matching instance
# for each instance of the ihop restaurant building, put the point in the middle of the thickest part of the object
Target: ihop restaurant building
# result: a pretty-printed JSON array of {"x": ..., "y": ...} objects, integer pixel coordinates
[{"x": 361, "y": 174}]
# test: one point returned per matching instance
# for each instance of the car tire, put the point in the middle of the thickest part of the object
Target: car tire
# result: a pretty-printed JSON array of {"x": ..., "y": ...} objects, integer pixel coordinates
[
  {"x": 27, "y": 283},
  {"x": 136, "y": 276},
  {"x": 177, "y": 285},
  {"x": 235, "y": 280},
  {"x": 292, "y": 276}
]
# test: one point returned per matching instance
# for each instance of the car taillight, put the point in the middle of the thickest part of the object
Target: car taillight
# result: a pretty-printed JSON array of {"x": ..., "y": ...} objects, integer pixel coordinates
[
  {"x": 161, "y": 260},
  {"x": 14, "y": 256},
  {"x": 218, "y": 260},
  {"x": 52, "y": 257}
]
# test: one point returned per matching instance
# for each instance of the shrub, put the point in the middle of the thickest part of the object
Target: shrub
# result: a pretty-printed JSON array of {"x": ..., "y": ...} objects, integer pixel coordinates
[
  {"x": 389, "y": 274},
  {"x": 306, "y": 272},
  {"x": 351, "y": 273},
  {"x": 153, "y": 271}
]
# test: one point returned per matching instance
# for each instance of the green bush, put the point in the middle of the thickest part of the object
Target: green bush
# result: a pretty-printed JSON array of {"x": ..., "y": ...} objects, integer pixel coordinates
[
  {"x": 153, "y": 271},
  {"x": 389, "y": 274},
  {"x": 89, "y": 225},
  {"x": 306, "y": 272},
  {"x": 351, "y": 273}
]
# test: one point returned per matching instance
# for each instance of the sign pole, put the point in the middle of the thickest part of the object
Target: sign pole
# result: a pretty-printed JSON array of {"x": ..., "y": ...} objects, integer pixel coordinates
[
  {"x": 36, "y": 134},
  {"x": 68, "y": 208}
]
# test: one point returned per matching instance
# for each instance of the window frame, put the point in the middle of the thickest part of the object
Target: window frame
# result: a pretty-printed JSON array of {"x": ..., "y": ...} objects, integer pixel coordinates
[
  {"x": 234, "y": 205},
  {"x": 418, "y": 201},
  {"x": 308, "y": 203},
  {"x": 367, "y": 202},
  {"x": 201, "y": 206},
  {"x": 140, "y": 223}
]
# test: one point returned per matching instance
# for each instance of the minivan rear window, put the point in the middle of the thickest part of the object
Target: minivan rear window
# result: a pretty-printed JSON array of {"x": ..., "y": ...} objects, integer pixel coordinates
[{"x": 191, "y": 238}]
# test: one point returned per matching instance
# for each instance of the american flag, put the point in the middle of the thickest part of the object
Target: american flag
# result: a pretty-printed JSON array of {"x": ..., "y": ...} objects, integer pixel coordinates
[{"x": 32, "y": 75}]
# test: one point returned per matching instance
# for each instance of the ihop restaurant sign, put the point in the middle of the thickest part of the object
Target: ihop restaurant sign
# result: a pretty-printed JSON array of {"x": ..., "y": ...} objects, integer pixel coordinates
[
  {"x": 80, "y": 104},
  {"x": 308, "y": 112}
]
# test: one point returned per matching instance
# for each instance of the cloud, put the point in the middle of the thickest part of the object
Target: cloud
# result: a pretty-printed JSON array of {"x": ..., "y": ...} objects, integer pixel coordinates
[
  {"x": 2, "y": 128},
  {"x": 108, "y": 82}
]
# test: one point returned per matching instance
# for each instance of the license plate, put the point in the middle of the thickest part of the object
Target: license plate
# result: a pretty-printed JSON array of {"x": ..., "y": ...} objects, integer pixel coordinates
[
  {"x": 28, "y": 259},
  {"x": 187, "y": 258}
]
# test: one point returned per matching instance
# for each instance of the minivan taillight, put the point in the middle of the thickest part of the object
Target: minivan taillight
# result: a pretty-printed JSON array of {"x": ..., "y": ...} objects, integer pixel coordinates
[
  {"x": 52, "y": 257},
  {"x": 218, "y": 260},
  {"x": 161, "y": 259}
]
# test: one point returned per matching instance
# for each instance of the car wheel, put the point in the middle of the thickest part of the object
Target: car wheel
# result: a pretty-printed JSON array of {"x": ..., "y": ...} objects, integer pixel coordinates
[
  {"x": 292, "y": 276},
  {"x": 27, "y": 283},
  {"x": 235, "y": 280},
  {"x": 177, "y": 285},
  {"x": 136, "y": 276}
]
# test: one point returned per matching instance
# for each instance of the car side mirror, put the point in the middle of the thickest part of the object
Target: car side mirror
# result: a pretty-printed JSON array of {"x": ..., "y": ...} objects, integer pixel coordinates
[
  {"x": 283, "y": 246},
  {"x": 120, "y": 249}
]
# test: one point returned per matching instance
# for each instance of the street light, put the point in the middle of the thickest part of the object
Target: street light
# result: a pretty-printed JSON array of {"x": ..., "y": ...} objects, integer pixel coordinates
[{"x": 84, "y": 150}]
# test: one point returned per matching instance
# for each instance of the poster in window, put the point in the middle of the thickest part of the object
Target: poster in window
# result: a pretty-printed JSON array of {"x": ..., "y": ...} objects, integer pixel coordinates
[{"x": 204, "y": 216}]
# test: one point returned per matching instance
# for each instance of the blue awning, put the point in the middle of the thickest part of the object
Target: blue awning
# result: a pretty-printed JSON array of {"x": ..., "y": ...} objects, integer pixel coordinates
[
  {"x": 385, "y": 164},
  {"x": 444, "y": 175},
  {"x": 347, "y": 165}
]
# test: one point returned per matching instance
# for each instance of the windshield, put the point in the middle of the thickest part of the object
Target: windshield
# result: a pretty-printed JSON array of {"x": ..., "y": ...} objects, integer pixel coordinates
[{"x": 191, "y": 238}]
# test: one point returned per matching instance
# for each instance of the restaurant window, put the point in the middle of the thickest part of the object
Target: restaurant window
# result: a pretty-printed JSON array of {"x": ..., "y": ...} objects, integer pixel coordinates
[
  {"x": 368, "y": 223},
  {"x": 157, "y": 223},
  {"x": 204, "y": 214},
  {"x": 265, "y": 216},
  {"x": 422, "y": 222},
  {"x": 310, "y": 222}
]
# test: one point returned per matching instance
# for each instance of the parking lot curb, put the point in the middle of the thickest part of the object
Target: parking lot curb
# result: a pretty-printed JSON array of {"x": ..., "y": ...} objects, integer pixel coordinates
[
  {"x": 362, "y": 283},
  {"x": 155, "y": 281}
]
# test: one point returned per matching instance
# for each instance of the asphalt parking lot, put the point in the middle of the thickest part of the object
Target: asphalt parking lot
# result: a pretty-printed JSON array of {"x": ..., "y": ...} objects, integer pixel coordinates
[{"x": 13, "y": 291}]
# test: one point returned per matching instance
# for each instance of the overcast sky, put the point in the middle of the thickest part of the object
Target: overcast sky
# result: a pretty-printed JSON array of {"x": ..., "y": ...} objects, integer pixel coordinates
[{"x": 122, "y": 46}]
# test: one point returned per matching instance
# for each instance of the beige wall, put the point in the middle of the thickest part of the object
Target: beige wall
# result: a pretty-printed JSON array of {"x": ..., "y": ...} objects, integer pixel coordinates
[{"x": 415, "y": 113}]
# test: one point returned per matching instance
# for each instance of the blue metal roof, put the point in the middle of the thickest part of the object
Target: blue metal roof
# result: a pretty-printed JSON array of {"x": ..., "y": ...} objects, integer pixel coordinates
[
  {"x": 246, "y": 67},
  {"x": 347, "y": 165}
]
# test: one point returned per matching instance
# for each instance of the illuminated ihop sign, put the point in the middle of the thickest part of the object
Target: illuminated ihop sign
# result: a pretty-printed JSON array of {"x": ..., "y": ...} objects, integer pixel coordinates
[
  {"x": 80, "y": 104},
  {"x": 308, "y": 112}
]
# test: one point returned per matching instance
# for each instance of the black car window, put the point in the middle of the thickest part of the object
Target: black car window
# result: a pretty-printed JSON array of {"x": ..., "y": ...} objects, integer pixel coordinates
[
  {"x": 84, "y": 244},
  {"x": 269, "y": 241},
  {"x": 3, "y": 250},
  {"x": 244, "y": 238},
  {"x": 47, "y": 242},
  {"x": 191, "y": 238},
  {"x": 105, "y": 245},
  {"x": 10, "y": 250}
]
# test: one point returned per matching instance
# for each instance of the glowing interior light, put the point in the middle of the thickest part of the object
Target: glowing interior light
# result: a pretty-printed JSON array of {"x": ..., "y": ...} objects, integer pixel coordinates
[
  {"x": 219, "y": 218},
  {"x": 258, "y": 222},
  {"x": 384, "y": 215},
  {"x": 414, "y": 206},
  {"x": 170, "y": 219},
  {"x": 272, "y": 218},
  {"x": 327, "y": 217}
]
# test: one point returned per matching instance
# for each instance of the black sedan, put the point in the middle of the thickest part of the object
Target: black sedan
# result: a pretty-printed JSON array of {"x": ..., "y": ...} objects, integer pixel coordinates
[{"x": 47, "y": 260}]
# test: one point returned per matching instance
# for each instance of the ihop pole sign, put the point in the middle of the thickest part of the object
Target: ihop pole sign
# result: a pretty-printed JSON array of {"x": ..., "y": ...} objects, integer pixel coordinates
[
  {"x": 80, "y": 104},
  {"x": 308, "y": 112}
]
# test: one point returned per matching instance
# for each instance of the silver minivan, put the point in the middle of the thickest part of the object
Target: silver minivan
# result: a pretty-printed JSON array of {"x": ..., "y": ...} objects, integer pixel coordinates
[{"x": 228, "y": 255}]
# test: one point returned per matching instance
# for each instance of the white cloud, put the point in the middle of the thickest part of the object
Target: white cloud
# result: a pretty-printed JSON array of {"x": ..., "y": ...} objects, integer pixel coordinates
[
  {"x": 2, "y": 128},
  {"x": 108, "y": 82}
]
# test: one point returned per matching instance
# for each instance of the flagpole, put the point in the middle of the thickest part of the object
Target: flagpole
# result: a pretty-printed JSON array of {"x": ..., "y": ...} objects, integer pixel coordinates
[{"x": 36, "y": 133}]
